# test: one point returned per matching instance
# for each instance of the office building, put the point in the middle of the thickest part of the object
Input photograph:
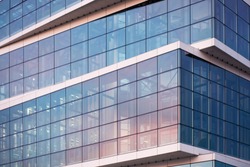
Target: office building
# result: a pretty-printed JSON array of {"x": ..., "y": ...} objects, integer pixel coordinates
[{"x": 147, "y": 83}]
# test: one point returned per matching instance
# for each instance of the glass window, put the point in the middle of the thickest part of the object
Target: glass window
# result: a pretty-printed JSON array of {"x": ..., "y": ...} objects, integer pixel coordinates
[
  {"x": 90, "y": 103},
  {"x": 42, "y": 134},
  {"x": 74, "y": 155},
  {"x": 57, "y": 128},
  {"x": 4, "y": 19},
  {"x": 74, "y": 124},
  {"x": 43, "y": 117},
  {"x": 79, "y": 51},
  {"x": 73, "y": 92},
  {"x": 90, "y": 136},
  {"x": 29, "y": 20},
  {"x": 167, "y": 98},
  {"x": 231, "y": 38},
  {"x": 46, "y": 62},
  {"x": 73, "y": 108},
  {"x": 46, "y": 78},
  {"x": 108, "y": 131},
  {"x": 74, "y": 140},
  {"x": 100, "y": 42},
  {"x": 43, "y": 161},
  {"x": 97, "y": 28},
  {"x": 186, "y": 135},
  {"x": 147, "y": 68},
  {"x": 108, "y": 148},
  {"x": 201, "y": 31},
  {"x": 4, "y": 75},
  {"x": 167, "y": 80},
  {"x": 219, "y": 10},
  {"x": 147, "y": 86},
  {"x": 57, "y": 113},
  {"x": 127, "y": 75},
  {"x": 46, "y": 46},
  {"x": 201, "y": 11},
  {"x": 16, "y": 126},
  {"x": 4, "y": 130},
  {"x": 230, "y": 19},
  {"x": 16, "y": 72},
  {"x": 57, "y": 6},
  {"x": 108, "y": 98},
  {"x": 43, "y": 103},
  {"x": 157, "y": 25},
  {"x": 108, "y": 81},
  {"x": 29, "y": 107},
  {"x": 16, "y": 57},
  {"x": 43, "y": 12},
  {"x": 115, "y": 56},
  {"x": 4, "y": 6},
  {"x": 167, "y": 117},
  {"x": 167, "y": 61},
  {"x": 181, "y": 34},
  {"x": 135, "y": 15},
  {"x": 4, "y": 61},
  {"x": 90, "y": 120},
  {"x": 79, "y": 68},
  {"x": 58, "y": 159},
  {"x": 116, "y": 21},
  {"x": 91, "y": 152},
  {"x": 156, "y": 9},
  {"x": 62, "y": 40},
  {"x": 97, "y": 62},
  {"x": 116, "y": 39},
  {"x": 16, "y": 112},
  {"x": 58, "y": 98},
  {"x": 16, "y": 12},
  {"x": 16, "y": 154},
  {"x": 167, "y": 135},
  {"x": 200, "y": 103},
  {"x": 135, "y": 49},
  {"x": 243, "y": 10},
  {"x": 62, "y": 57},
  {"x": 147, "y": 104},
  {"x": 200, "y": 85},
  {"x": 90, "y": 87},
  {"x": 31, "y": 67},
  {"x": 243, "y": 47},
  {"x": 5, "y": 32},
  {"x": 127, "y": 144},
  {"x": 178, "y": 18},
  {"x": 29, "y": 122},
  {"x": 127, "y": 110},
  {"x": 79, "y": 34},
  {"x": 108, "y": 115},
  {"x": 147, "y": 140},
  {"x": 5, "y": 157},
  {"x": 31, "y": 51},
  {"x": 62, "y": 73},
  {"x": 157, "y": 41},
  {"x": 16, "y": 88},
  {"x": 127, "y": 92},
  {"x": 232, "y": 4},
  {"x": 176, "y": 4},
  {"x": 127, "y": 127},
  {"x": 147, "y": 122},
  {"x": 28, "y": 6},
  {"x": 135, "y": 32}
]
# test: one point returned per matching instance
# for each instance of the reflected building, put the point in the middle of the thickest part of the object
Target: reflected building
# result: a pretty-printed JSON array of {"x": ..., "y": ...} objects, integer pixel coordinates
[{"x": 112, "y": 83}]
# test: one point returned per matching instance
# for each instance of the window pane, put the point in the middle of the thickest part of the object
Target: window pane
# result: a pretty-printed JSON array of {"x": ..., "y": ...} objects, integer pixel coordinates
[
  {"x": 201, "y": 31},
  {"x": 167, "y": 117},
  {"x": 127, "y": 110},
  {"x": 147, "y": 68},
  {"x": 178, "y": 18},
  {"x": 116, "y": 39},
  {"x": 62, "y": 40},
  {"x": 156, "y": 8},
  {"x": 79, "y": 34},
  {"x": 147, "y": 104},
  {"x": 46, "y": 46},
  {"x": 147, "y": 122},
  {"x": 97, "y": 28},
  {"x": 79, "y": 51},
  {"x": 201, "y": 11},
  {"x": 46, "y": 62},
  {"x": 135, "y": 32},
  {"x": 147, "y": 140},
  {"x": 135, "y": 15},
  {"x": 127, "y": 75},
  {"x": 147, "y": 86},
  {"x": 167, "y": 135},
  {"x": 167, "y": 80},
  {"x": 116, "y": 21},
  {"x": 157, "y": 25},
  {"x": 167, "y": 98}
]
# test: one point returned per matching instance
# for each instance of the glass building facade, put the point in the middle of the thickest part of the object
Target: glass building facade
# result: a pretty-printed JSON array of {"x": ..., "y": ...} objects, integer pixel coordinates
[{"x": 171, "y": 98}]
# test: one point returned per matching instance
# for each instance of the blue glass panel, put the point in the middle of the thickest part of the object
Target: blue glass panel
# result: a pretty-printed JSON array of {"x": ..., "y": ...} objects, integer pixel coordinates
[
  {"x": 97, "y": 28},
  {"x": 136, "y": 32},
  {"x": 135, "y": 49},
  {"x": 79, "y": 51},
  {"x": 79, "y": 34},
  {"x": 4, "y": 61},
  {"x": 43, "y": 12},
  {"x": 43, "y": 103},
  {"x": 115, "y": 56},
  {"x": 58, "y": 98},
  {"x": 181, "y": 34},
  {"x": 46, "y": 78},
  {"x": 135, "y": 15},
  {"x": 157, "y": 25},
  {"x": 230, "y": 19},
  {"x": 4, "y": 75},
  {"x": 157, "y": 41},
  {"x": 16, "y": 13},
  {"x": 62, "y": 57},
  {"x": 16, "y": 88},
  {"x": 31, "y": 51},
  {"x": 201, "y": 11},
  {"x": 176, "y": 4},
  {"x": 57, "y": 6},
  {"x": 79, "y": 68},
  {"x": 4, "y": 6},
  {"x": 29, "y": 6},
  {"x": 219, "y": 10},
  {"x": 201, "y": 31},
  {"x": 97, "y": 62},
  {"x": 116, "y": 39},
  {"x": 62, "y": 73},
  {"x": 116, "y": 21},
  {"x": 62, "y": 40},
  {"x": 156, "y": 8},
  {"x": 16, "y": 112},
  {"x": 178, "y": 18},
  {"x": 16, "y": 57},
  {"x": 30, "y": 83},
  {"x": 46, "y": 46},
  {"x": 4, "y": 19},
  {"x": 97, "y": 45},
  {"x": 243, "y": 28}
]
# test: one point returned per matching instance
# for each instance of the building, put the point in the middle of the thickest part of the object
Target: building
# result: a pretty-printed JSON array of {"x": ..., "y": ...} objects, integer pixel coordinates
[{"x": 155, "y": 83}]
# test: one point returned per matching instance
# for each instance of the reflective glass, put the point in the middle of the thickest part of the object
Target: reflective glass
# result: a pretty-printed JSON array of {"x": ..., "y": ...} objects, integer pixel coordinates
[
  {"x": 157, "y": 25},
  {"x": 62, "y": 57},
  {"x": 16, "y": 88},
  {"x": 43, "y": 12},
  {"x": 97, "y": 62},
  {"x": 147, "y": 122},
  {"x": 57, "y": 113},
  {"x": 167, "y": 61},
  {"x": 127, "y": 127},
  {"x": 147, "y": 86},
  {"x": 147, "y": 104},
  {"x": 79, "y": 51},
  {"x": 97, "y": 28},
  {"x": 43, "y": 161},
  {"x": 147, "y": 68},
  {"x": 62, "y": 73},
  {"x": 115, "y": 56},
  {"x": 182, "y": 34},
  {"x": 157, "y": 41},
  {"x": 16, "y": 72},
  {"x": 116, "y": 21},
  {"x": 135, "y": 32},
  {"x": 57, "y": 129},
  {"x": 74, "y": 140},
  {"x": 108, "y": 115},
  {"x": 90, "y": 136},
  {"x": 167, "y": 135},
  {"x": 46, "y": 62},
  {"x": 167, "y": 80},
  {"x": 90, "y": 120},
  {"x": 230, "y": 19},
  {"x": 176, "y": 4},
  {"x": 46, "y": 46},
  {"x": 4, "y": 75},
  {"x": 4, "y": 61},
  {"x": 79, "y": 68},
  {"x": 79, "y": 34},
  {"x": 201, "y": 11},
  {"x": 127, "y": 92},
  {"x": 201, "y": 31},
  {"x": 74, "y": 124},
  {"x": 108, "y": 81},
  {"x": 135, "y": 15},
  {"x": 31, "y": 67},
  {"x": 135, "y": 49},
  {"x": 156, "y": 8},
  {"x": 31, "y": 51},
  {"x": 147, "y": 140},
  {"x": 127, "y": 75},
  {"x": 29, "y": 20},
  {"x": 127, "y": 110},
  {"x": 127, "y": 144},
  {"x": 178, "y": 18},
  {"x": 108, "y": 131},
  {"x": 16, "y": 57},
  {"x": 97, "y": 45},
  {"x": 62, "y": 40},
  {"x": 57, "y": 6},
  {"x": 116, "y": 39},
  {"x": 167, "y": 98},
  {"x": 43, "y": 117},
  {"x": 74, "y": 156},
  {"x": 58, "y": 159},
  {"x": 46, "y": 78}
]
